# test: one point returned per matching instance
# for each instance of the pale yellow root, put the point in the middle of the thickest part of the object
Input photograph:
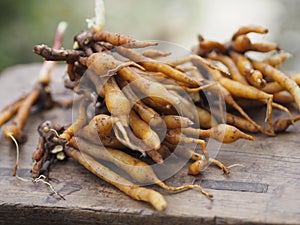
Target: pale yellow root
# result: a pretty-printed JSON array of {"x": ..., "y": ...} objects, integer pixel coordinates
[
  {"x": 9, "y": 111},
  {"x": 78, "y": 124},
  {"x": 134, "y": 191},
  {"x": 136, "y": 168},
  {"x": 223, "y": 132},
  {"x": 285, "y": 81}
]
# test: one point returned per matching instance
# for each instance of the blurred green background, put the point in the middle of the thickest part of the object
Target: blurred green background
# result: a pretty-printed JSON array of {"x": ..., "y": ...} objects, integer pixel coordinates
[{"x": 27, "y": 23}]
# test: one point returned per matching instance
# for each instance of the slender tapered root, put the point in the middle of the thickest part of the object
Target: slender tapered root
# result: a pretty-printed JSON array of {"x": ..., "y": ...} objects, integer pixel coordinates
[
  {"x": 220, "y": 165},
  {"x": 134, "y": 191},
  {"x": 17, "y": 154},
  {"x": 184, "y": 187}
]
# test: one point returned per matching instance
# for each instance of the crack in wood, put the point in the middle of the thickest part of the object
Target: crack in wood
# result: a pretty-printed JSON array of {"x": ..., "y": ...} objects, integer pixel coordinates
[{"x": 233, "y": 186}]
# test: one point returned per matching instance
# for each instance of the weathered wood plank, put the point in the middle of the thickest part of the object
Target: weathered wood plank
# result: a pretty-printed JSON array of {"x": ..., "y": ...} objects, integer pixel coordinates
[{"x": 264, "y": 191}]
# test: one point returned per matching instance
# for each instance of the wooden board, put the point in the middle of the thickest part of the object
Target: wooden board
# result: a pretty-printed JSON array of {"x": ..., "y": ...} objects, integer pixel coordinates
[{"x": 266, "y": 190}]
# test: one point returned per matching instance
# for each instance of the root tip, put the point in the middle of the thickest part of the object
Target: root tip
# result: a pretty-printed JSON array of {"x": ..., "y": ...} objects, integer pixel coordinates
[
  {"x": 15, "y": 170},
  {"x": 226, "y": 171},
  {"x": 210, "y": 196}
]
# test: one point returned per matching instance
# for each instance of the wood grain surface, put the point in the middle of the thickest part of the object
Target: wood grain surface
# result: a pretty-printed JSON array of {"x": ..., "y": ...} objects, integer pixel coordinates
[{"x": 266, "y": 190}]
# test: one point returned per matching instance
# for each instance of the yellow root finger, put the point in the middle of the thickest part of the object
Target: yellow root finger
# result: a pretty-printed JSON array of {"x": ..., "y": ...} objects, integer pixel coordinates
[{"x": 134, "y": 191}]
